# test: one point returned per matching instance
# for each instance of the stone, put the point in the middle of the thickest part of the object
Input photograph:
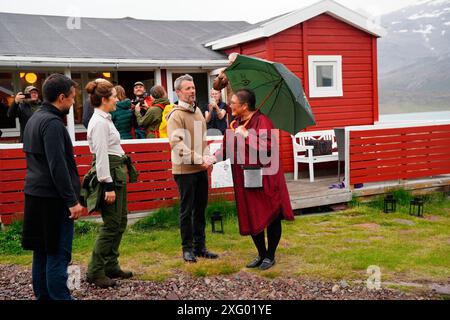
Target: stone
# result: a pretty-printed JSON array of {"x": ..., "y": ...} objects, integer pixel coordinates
[
  {"x": 404, "y": 222},
  {"x": 370, "y": 226}
]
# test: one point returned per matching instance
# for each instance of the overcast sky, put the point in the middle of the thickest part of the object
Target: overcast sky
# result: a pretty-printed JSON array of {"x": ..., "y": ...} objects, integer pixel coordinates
[{"x": 247, "y": 10}]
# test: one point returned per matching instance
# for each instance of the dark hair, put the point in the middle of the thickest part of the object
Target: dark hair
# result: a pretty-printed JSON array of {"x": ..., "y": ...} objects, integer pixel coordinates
[
  {"x": 247, "y": 96},
  {"x": 158, "y": 92},
  {"x": 98, "y": 89},
  {"x": 55, "y": 85}
]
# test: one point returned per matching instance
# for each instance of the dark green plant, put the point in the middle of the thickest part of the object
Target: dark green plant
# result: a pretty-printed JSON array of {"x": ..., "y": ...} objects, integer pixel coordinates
[
  {"x": 11, "y": 239},
  {"x": 402, "y": 196},
  {"x": 166, "y": 218},
  {"x": 82, "y": 227},
  {"x": 355, "y": 202},
  {"x": 227, "y": 208},
  {"x": 163, "y": 218}
]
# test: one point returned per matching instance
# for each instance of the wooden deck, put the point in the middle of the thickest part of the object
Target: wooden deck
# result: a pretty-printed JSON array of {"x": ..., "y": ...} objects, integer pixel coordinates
[
  {"x": 417, "y": 186},
  {"x": 305, "y": 194}
]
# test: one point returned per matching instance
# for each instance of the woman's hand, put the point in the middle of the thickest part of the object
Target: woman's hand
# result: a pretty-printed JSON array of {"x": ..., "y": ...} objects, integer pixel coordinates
[
  {"x": 242, "y": 131},
  {"x": 110, "y": 197}
]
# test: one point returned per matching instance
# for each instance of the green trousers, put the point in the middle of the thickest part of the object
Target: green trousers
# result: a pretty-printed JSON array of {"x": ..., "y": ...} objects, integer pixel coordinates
[{"x": 105, "y": 256}]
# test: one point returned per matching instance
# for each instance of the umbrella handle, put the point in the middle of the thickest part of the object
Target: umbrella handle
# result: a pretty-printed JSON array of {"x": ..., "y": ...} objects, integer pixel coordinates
[{"x": 260, "y": 106}]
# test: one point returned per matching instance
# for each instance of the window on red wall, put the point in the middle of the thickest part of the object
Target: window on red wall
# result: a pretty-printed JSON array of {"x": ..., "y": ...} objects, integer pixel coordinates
[{"x": 325, "y": 76}]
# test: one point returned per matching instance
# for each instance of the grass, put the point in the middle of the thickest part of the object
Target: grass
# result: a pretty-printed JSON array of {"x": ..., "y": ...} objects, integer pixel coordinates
[{"x": 336, "y": 246}]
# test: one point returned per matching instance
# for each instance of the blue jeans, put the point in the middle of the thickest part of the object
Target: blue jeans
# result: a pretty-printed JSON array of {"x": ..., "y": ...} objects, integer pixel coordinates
[{"x": 50, "y": 270}]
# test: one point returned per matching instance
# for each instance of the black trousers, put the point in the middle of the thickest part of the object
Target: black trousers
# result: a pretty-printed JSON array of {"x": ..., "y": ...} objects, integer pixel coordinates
[{"x": 193, "y": 189}]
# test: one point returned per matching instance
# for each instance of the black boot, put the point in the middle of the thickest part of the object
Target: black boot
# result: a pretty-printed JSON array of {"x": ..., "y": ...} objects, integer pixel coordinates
[
  {"x": 188, "y": 256},
  {"x": 255, "y": 263},
  {"x": 204, "y": 253},
  {"x": 119, "y": 274},
  {"x": 267, "y": 264}
]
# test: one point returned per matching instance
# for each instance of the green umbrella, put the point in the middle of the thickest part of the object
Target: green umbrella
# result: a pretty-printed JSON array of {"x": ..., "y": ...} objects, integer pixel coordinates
[{"x": 279, "y": 92}]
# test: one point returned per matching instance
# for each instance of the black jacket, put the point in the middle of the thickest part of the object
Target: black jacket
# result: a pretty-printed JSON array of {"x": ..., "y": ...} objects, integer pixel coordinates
[
  {"x": 88, "y": 111},
  {"x": 51, "y": 167},
  {"x": 23, "y": 111},
  {"x": 215, "y": 122}
]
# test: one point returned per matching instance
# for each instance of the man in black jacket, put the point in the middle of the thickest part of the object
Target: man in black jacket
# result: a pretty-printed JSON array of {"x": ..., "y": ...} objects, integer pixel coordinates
[
  {"x": 24, "y": 108},
  {"x": 52, "y": 190}
]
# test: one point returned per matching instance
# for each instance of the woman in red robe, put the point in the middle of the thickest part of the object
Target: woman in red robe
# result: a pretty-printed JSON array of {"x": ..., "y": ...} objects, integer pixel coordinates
[{"x": 258, "y": 208}]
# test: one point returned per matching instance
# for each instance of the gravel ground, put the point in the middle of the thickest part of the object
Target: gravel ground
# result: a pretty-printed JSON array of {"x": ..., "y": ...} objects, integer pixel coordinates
[{"x": 15, "y": 283}]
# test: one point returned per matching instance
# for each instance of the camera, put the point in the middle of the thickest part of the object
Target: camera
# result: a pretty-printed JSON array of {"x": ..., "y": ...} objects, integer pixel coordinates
[
  {"x": 140, "y": 100},
  {"x": 27, "y": 95}
]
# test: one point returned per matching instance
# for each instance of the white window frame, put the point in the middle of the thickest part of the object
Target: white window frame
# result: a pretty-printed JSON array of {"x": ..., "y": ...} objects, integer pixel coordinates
[{"x": 321, "y": 92}]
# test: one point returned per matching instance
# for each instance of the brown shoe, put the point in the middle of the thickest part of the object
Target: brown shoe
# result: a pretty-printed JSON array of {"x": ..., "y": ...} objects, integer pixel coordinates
[
  {"x": 123, "y": 274},
  {"x": 102, "y": 282}
]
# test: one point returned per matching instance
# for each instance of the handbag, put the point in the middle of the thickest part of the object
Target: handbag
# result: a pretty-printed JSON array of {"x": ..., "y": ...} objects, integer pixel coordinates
[
  {"x": 253, "y": 177},
  {"x": 321, "y": 147}
]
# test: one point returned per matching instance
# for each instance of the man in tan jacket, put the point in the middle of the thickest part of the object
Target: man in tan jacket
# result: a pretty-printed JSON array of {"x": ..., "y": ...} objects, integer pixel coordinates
[{"x": 186, "y": 128}]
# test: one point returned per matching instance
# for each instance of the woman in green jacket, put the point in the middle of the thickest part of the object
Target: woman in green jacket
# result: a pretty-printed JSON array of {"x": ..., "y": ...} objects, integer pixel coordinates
[{"x": 122, "y": 116}]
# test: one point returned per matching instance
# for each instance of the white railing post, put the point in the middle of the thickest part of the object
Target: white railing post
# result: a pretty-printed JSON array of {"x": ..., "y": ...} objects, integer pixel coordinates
[
  {"x": 158, "y": 80},
  {"x": 70, "y": 116},
  {"x": 347, "y": 158}
]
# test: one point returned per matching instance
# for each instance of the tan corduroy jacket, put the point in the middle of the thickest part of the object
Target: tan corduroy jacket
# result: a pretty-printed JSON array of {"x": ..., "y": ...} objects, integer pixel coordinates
[{"x": 186, "y": 129}]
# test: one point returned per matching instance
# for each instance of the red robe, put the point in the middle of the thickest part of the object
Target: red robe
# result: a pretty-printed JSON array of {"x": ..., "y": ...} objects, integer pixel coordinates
[{"x": 257, "y": 208}]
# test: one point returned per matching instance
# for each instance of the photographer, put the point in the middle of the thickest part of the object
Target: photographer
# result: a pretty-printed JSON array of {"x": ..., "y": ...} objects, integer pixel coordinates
[
  {"x": 215, "y": 114},
  {"x": 143, "y": 101},
  {"x": 153, "y": 116},
  {"x": 25, "y": 104}
]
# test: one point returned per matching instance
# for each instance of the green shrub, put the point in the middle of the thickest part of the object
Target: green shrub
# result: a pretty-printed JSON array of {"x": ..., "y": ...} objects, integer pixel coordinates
[
  {"x": 82, "y": 227},
  {"x": 163, "y": 218},
  {"x": 402, "y": 196},
  {"x": 355, "y": 202},
  {"x": 166, "y": 218},
  {"x": 11, "y": 239},
  {"x": 227, "y": 208}
]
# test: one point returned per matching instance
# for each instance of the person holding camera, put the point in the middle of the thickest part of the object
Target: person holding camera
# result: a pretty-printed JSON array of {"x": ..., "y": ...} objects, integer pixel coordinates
[
  {"x": 215, "y": 114},
  {"x": 25, "y": 104},
  {"x": 153, "y": 116},
  {"x": 143, "y": 101}
]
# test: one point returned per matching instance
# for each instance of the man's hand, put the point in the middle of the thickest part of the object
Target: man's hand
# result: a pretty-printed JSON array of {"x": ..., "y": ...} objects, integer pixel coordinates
[
  {"x": 242, "y": 131},
  {"x": 75, "y": 211},
  {"x": 19, "y": 97},
  {"x": 137, "y": 108},
  {"x": 208, "y": 161},
  {"x": 110, "y": 197},
  {"x": 145, "y": 106}
]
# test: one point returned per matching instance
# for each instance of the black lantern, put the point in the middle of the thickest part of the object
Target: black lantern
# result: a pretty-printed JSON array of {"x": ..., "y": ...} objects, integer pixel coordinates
[
  {"x": 416, "y": 207},
  {"x": 216, "y": 218},
  {"x": 390, "y": 204}
]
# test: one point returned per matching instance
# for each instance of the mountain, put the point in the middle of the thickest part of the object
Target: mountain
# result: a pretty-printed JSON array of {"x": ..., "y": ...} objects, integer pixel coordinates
[{"x": 414, "y": 58}]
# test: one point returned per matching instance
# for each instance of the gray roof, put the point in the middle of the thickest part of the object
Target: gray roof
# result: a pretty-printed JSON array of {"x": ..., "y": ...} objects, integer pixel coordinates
[{"x": 126, "y": 38}]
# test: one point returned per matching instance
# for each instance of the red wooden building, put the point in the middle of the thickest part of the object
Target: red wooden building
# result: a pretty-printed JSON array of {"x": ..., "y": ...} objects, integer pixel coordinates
[{"x": 334, "y": 52}]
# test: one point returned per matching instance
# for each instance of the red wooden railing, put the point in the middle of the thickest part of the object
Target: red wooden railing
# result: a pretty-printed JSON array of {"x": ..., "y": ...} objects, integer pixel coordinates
[
  {"x": 156, "y": 187},
  {"x": 398, "y": 153}
]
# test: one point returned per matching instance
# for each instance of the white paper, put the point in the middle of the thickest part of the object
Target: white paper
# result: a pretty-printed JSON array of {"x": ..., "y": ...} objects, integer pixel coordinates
[{"x": 221, "y": 176}]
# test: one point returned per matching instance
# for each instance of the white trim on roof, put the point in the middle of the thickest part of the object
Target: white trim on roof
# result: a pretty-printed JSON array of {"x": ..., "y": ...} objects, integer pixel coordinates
[
  {"x": 24, "y": 61},
  {"x": 293, "y": 18}
]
